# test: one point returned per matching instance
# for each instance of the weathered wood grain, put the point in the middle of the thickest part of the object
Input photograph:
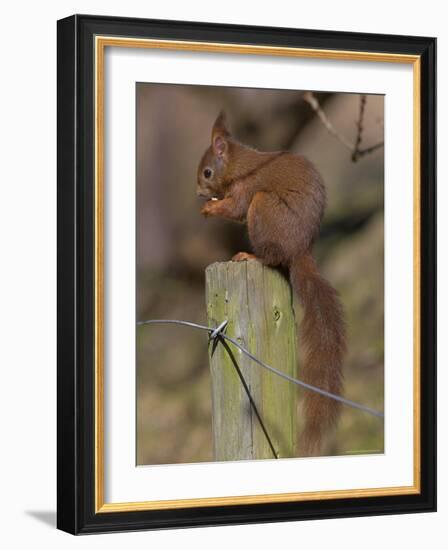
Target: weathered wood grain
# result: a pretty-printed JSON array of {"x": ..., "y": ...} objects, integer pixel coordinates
[{"x": 257, "y": 302}]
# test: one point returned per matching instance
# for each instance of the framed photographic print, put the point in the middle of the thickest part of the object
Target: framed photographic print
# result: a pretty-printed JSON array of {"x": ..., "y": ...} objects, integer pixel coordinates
[{"x": 246, "y": 274}]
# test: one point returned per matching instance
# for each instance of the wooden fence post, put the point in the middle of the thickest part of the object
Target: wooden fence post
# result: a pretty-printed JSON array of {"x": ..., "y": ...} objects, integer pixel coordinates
[{"x": 257, "y": 302}]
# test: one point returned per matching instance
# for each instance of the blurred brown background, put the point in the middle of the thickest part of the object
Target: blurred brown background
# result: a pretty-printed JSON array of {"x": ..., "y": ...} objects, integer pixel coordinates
[{"x": 175, "y": 244}]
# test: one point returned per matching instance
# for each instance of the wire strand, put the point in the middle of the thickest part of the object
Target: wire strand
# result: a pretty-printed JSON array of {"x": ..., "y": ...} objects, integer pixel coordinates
[
  {"x": 247, "y": 390},
  {"x": 217, "y": 332}
]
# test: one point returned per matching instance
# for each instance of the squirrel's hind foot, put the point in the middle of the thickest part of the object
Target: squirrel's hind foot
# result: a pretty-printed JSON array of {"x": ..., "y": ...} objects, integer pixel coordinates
[{"x": 243, "y": 256}]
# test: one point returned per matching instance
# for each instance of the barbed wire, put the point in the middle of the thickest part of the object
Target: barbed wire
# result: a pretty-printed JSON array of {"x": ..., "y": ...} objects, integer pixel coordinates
[
  {"x": 247, "y": 390},
  {"x": 217, "y": 333}
]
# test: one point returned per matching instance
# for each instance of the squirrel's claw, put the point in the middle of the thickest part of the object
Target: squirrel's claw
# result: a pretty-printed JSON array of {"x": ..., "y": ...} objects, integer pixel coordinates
[{"x": 243, "y": 256}]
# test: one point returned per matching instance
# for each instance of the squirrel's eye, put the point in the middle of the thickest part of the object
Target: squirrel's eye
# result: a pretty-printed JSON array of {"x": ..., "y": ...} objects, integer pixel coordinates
[{"x": 207, "y": 173}]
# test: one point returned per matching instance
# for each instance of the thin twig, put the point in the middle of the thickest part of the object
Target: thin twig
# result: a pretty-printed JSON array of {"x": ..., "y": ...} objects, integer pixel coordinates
[
  {"x": 359, "y": 126},
  {"x": 354, "y": 148},
  {"x": 311, "y": 99},
  {"x": 367, "y": 150}
]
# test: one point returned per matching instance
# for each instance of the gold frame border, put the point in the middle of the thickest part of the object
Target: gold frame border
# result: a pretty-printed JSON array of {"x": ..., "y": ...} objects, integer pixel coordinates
[{"x": 101, "y": 42}]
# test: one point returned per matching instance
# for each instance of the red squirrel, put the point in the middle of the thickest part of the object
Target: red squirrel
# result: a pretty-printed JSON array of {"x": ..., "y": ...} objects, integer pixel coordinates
[{"x": 281, "y": 197}]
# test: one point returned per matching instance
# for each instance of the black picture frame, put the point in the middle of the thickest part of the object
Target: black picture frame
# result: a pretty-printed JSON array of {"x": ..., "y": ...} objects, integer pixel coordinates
[{"x": 76, "y": 286}]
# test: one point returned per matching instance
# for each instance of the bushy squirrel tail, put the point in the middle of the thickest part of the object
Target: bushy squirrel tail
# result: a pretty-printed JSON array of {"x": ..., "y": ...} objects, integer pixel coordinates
[{"x": 322, "y": 333}]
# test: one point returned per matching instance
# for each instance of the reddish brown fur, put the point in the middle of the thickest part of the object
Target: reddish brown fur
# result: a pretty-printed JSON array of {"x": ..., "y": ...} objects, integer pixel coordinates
[{"x": 281, "y": 197}]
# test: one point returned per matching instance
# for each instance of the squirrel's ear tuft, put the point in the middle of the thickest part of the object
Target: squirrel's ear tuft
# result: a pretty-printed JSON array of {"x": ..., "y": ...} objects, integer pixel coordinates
[
  {"x": 220, "y": 124},
  {"x": 220, "y": 135}
]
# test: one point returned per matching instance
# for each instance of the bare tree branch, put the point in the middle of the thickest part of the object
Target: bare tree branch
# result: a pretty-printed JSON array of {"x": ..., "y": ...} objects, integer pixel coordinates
[
  {"x": 359, "y": 125},
  {"x": 354, "y": 148}
]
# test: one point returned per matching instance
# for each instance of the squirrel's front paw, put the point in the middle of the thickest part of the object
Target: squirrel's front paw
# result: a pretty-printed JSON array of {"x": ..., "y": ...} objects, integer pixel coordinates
[{"x": 209, "y": 208}]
